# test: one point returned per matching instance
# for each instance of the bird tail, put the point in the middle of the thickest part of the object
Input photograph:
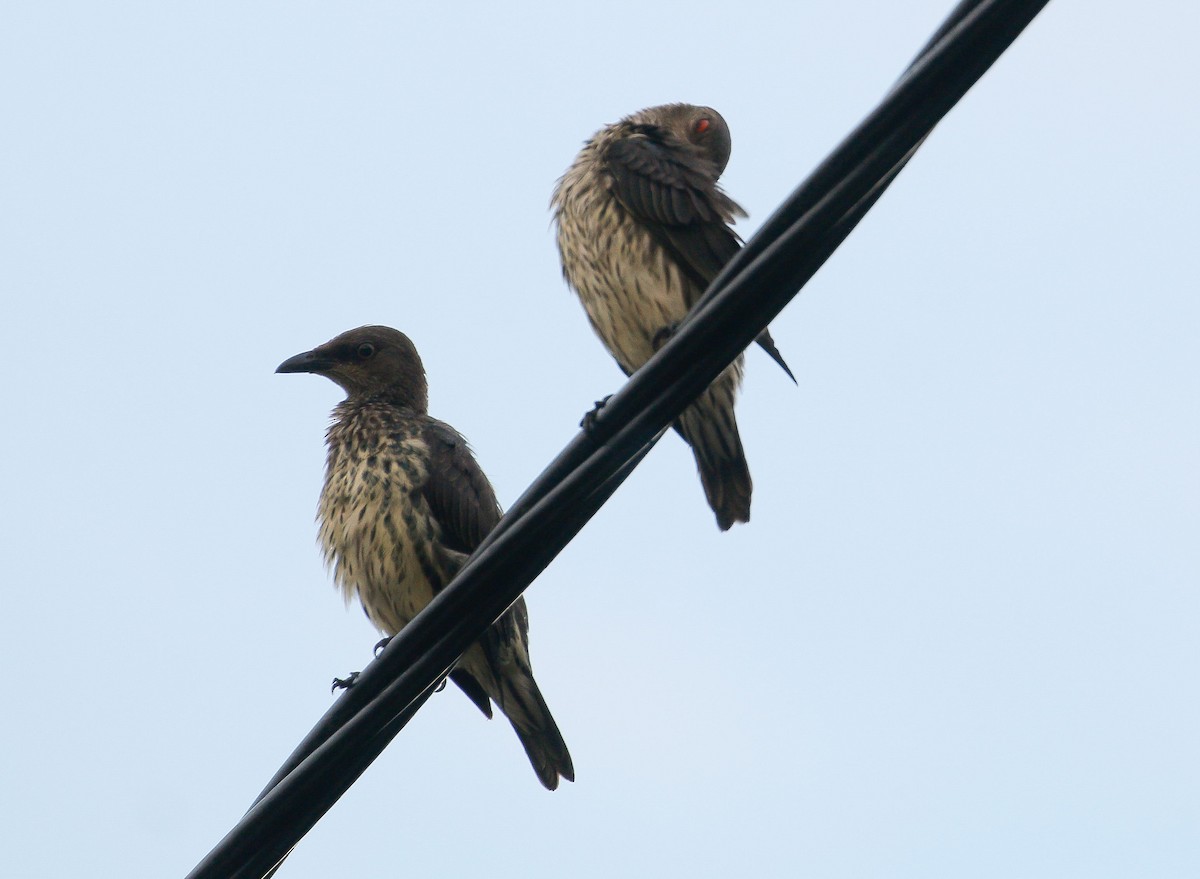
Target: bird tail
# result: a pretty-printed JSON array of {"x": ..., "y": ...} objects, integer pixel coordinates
[
  {"x": 710, "y": 429},
  {"x": 526, "y": 709},
  {"x": 500, "y": 663}
]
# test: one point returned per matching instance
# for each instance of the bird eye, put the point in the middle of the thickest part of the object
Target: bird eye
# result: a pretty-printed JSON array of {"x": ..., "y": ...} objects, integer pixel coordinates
[
  {"x": 365, "y": 350},
  {"x": 702, "y": 125}
]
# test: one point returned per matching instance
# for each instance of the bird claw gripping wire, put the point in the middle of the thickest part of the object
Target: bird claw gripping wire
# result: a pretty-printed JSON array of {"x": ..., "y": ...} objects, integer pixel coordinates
[
  {"x": 589, "y": 421},
  {"x": 344, "y": 683},
  {"x": 382, "y": 643}
]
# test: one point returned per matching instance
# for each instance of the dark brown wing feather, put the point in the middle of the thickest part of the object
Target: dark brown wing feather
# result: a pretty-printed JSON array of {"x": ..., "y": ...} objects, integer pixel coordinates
[
  {"x": 464, "y": 504},
  {"x": 671, "y": 189},
  {"x": 457, "y": 491}
]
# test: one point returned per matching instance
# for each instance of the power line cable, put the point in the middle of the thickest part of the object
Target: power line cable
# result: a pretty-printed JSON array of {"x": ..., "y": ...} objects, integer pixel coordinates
[{"x": 756, "y": 285}]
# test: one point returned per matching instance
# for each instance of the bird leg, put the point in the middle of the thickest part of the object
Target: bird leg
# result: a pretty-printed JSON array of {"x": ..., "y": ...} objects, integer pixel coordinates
[
  {"x": 348, "y": 681},
  {"x": 589, "y": 421}
]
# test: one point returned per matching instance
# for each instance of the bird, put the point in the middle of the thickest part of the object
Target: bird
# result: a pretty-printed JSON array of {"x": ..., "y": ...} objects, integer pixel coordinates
[
  {"x": 642, "y": 230},
  {"x": 403, "y": 505}
]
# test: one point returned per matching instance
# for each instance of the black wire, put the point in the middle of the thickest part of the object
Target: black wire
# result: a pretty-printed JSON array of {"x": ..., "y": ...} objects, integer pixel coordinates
[
  {"x": 375, "y": 676},
  {"x": 264, "y": 860},
  {"x": 257, "y": 843},
  {"x": 575, "y": 453},
  {"x": 768, "y": 273},
  {"x": 946, "y": 43}
]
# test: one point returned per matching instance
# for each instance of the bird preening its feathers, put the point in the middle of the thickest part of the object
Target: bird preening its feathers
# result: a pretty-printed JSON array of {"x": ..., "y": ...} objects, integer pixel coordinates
[
  {"x": 403, "y": 506},
  {"x": 643, "y": 228}
]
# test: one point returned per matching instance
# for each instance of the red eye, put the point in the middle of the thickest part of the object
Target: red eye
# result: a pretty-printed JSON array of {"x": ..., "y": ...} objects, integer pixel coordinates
[{"x": 701, "y": 126}]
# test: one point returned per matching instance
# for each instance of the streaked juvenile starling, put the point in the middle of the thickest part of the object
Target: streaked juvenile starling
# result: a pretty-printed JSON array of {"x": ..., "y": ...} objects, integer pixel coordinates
[
  {"x": 404, "y": 504},
  {"x": 643, "y": 228}
]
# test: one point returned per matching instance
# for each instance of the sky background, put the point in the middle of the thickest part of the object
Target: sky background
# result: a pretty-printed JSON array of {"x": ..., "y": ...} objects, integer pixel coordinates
[{"x": 960, "y": 636}]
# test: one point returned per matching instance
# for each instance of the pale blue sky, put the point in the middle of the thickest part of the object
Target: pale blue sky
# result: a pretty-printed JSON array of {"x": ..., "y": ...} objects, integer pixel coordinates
[{"x": 960, "y": 636}]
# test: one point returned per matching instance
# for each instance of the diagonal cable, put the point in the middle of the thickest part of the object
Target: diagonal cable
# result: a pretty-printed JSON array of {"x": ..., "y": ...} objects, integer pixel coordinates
[{"x": 768, "y": 273}]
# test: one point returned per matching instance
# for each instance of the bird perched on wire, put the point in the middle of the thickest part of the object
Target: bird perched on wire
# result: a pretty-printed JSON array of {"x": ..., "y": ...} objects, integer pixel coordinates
[
  {"x": 404, "y": 505},
  {"x": 643, "y": 228}
]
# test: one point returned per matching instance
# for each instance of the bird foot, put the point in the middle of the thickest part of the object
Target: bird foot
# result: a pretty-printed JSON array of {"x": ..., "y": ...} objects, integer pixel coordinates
[
  {"x": 589, "y": 421},
  {"x": 440, "y": 686},
  {"x": 383, "y": 643},
  {"x": 344, "y": 683},
  {"x": 664, "y": 335}
]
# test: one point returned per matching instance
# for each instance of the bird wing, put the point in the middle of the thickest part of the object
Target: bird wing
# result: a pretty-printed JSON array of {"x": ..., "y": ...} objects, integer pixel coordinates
[
  {"x": 457, "y": 491},
  {"x": 464, "y": 505},
  {"x": 672, "y": 190}
]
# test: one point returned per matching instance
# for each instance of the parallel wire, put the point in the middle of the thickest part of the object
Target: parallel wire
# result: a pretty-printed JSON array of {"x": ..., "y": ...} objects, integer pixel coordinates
[{"x": 756, "y": 285}]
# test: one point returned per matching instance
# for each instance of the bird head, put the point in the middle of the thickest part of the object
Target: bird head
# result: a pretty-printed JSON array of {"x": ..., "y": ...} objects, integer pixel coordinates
[
  {"x": 369, "y": 361},
  {"x": 702, "y": 127}
]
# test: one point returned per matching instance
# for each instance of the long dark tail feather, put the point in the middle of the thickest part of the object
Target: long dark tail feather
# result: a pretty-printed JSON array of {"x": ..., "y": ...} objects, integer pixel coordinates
[
  {"x": 530, "y": 717},
  {"x": 499, "y": 664},
  {"x": 768, "y": 344},
  {"x": 544, "y": 743},
  {"x": 710, "y": 429}
]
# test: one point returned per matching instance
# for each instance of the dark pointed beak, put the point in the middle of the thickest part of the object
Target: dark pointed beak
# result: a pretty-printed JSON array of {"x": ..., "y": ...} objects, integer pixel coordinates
[{"x": 309, "y": 361}]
